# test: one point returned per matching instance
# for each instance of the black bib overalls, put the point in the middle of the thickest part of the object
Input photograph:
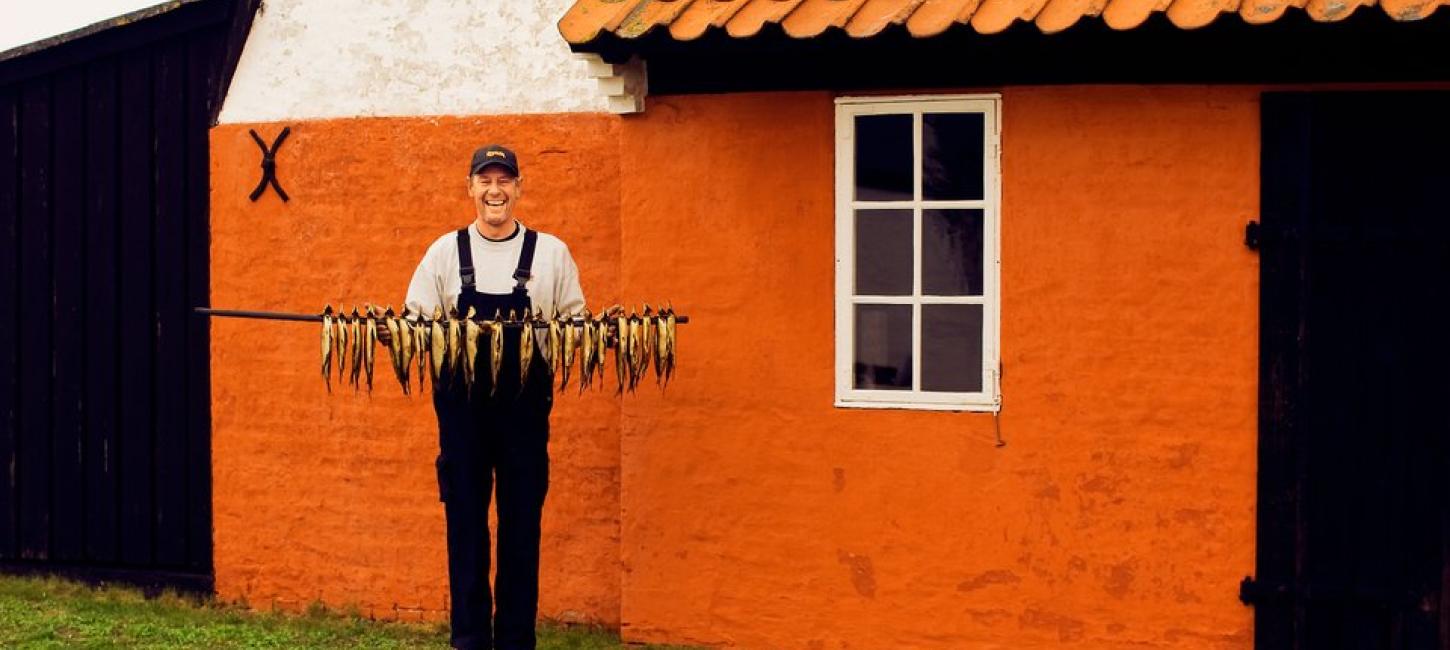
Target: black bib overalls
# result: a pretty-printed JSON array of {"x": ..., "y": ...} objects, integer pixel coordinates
[{"x": 497, "y": 441}]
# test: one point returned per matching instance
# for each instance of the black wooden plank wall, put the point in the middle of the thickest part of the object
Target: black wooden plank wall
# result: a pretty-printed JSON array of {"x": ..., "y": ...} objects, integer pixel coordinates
[
  {"x": 104, "y": 377},
  {"x": 1354, "y": 510}
]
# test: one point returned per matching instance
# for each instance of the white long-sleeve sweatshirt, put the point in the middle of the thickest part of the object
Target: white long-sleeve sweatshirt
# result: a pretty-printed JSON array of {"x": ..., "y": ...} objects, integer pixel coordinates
[{"x": 554, "y": 288}]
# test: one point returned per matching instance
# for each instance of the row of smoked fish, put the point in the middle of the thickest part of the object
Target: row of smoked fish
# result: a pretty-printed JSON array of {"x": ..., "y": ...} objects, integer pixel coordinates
[{"x": 445, "y": 347}]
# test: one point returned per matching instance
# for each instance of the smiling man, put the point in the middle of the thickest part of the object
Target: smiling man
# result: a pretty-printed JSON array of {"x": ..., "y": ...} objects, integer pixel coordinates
[{"x": 495, "y": 436}]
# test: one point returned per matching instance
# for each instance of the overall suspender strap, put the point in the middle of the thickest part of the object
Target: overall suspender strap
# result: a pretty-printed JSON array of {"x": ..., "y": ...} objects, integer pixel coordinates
[
  {"x": 526, "y": 259},
  {"x": 465, "y": 259}
]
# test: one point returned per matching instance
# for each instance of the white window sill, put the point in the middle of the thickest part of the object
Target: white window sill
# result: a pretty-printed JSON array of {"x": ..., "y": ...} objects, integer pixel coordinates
[{"x": 920, "y": 406}]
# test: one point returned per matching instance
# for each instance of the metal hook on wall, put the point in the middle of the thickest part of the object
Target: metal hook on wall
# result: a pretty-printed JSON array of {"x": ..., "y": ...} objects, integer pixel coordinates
[{"x": 269, "y": 164}]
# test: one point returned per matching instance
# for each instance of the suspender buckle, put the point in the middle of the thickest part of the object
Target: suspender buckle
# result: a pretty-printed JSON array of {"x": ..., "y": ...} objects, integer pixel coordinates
[{"x": 467, "y": 275}]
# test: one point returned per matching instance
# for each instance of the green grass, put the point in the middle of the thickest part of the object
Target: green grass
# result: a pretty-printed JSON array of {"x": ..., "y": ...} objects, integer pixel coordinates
[{"x": 55, "y": 613}]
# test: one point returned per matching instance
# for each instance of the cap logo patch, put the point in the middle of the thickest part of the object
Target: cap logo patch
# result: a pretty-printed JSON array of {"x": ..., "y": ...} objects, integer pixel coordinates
[{"x": 499, "y": 154}]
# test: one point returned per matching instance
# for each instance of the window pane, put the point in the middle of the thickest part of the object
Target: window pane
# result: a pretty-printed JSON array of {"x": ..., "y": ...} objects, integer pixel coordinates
[
  {"x": 883, "y": 347},
  {"x": 951, "y": 348},
  {"x": 883, "y": 252},
  {"x": 951, "y": 149},
  {"x": 883, "y": 158},
  {"x": 951, "y": 252}
]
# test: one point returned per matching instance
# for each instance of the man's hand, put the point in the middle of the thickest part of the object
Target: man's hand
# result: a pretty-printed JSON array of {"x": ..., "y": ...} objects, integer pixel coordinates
[{"x": 384, "y": 337}]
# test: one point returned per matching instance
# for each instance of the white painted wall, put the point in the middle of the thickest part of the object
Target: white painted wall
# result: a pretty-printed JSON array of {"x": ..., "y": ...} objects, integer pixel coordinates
[
  {"x": 25, "y": 21},
  {"x": 309, "y": 59}
]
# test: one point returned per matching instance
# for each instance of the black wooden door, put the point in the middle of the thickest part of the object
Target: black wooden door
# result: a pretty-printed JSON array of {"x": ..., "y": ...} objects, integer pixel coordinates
[
  {"x": 105, "y": 453},
  {"x": 1355, "y": 379}
]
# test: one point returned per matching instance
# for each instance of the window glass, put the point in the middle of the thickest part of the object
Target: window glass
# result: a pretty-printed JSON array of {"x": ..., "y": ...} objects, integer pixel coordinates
[
  {"x": 883, "y": 347},
  {"x": 951, "y": 252},
  {"x": 951, "y": 348},
  {"x": 883, "y": 158},
  {"x": 883, "y": 252},
  {"x": 951, "y": 156}
]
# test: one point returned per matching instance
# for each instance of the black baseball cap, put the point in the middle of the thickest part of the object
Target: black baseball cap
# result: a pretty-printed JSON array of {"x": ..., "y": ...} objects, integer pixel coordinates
[{"x": 494, "y": 154}]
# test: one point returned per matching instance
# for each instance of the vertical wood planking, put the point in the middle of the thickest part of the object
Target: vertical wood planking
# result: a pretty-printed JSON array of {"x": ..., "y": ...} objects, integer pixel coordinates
[
  {"x": 136, "y": 317},
  {"x": 105, "y": 458},
  {"x": 1353, "y": 446},
  {"x": 101, "y": 341},
  {"x": 68, "y": 265},
  {"x": 1283, "y": 197},
  {"x": 170, "y": 308},
  {"x": 203, "y": 66},
  {"x": 9, "y": 325},
  {"x": 33, "y": 464}
]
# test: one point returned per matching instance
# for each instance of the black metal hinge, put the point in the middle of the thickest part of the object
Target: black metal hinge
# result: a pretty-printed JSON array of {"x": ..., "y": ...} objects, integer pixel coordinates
[
  {"x": 1256, "y": 235},
  {"x": 1253, "y": 592}
]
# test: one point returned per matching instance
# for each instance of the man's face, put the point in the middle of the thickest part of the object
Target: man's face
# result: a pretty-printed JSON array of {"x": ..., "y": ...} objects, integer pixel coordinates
[{"x": 494, "y": 191}]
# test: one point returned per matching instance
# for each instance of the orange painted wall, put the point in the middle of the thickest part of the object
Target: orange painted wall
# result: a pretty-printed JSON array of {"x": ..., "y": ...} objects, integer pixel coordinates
[
  {"x": 1120, "y": 513},
  {"x": 741, "y": 508},
  {"x": 334, "y": 497}
]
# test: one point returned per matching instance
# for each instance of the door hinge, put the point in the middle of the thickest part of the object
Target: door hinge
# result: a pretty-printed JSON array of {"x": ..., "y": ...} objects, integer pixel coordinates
[
  {"x": 1256, "y": 234},
  {"x": 1253, "y": 592}
]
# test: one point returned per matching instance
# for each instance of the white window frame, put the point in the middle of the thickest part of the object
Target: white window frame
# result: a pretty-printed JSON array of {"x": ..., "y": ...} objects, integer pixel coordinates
[{"x": 989, "y": 399}]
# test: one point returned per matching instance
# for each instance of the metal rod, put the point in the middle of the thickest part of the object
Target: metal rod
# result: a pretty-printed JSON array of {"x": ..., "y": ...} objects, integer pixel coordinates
[{"x": 317, "y": 318}]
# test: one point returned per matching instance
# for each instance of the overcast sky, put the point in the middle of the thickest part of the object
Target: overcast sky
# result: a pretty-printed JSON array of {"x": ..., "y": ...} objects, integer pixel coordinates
[{"x": 27, "y": 21}]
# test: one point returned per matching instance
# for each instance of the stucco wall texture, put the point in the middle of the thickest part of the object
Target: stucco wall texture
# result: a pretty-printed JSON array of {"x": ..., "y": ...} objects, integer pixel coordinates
[
  {"x": 334, "y": 497},
  {"x": 311, "y": 59},
  {"x": 740, "y": 508}
]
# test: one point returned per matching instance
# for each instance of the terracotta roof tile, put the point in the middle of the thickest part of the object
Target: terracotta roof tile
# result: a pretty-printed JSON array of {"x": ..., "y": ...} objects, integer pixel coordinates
[
  {"x": 813, "y": 16},
  {"x": 1258, "y": 12},
  {"x": 689, "y": 19},
  {"x": 1326, "y": 11},
  {"x": 996, "y": 15},
  {"x": 756, "y": 14},
  {"x": 935, "y": 16},
  {"x": 875, "y": 15},
  {"x": 649, "y": 13},
  {"x": 1410, "y": 9},
  {"x": 1197, "y": 13},
  {"x": 1127, "y": 14},
  {"x": 1062, "y": 14},
  {"x": 587, "y": 18},
  {"x": 703, "y": 15}
]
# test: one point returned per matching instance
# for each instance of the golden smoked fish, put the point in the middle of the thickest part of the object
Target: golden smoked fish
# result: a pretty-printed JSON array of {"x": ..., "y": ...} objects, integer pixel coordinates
[
  {"x": 634, "y": 351},
  {"x": 571, "y": 342},
  {"x": 356, "y": 327},
  {"x": 420, "y": 347},
  {"x": 455, "y": 344},
  {"x": 438, "y": 346},
  {"x": 587, "y": 360},
  {"x": 621, "y": 354},
  {"x": 556, "y": 346},
  {"x": 471, "y": 332},
  {"x": 646, "y": 340},
  {"x": 405, "y": 352},
  {"x": 601, "y": 335},
  {"x": 370, "y": 342},
  {"x": 670, "y": 333},
  {"x": 661, "y": 341},
  {"x": 495, "y": 352},
  {"x": 327, "y": 334},
  {"x": 526, "y": 349},
  {"x": 339, "y": 342},
  {"x": 389, "y": 323}
]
